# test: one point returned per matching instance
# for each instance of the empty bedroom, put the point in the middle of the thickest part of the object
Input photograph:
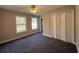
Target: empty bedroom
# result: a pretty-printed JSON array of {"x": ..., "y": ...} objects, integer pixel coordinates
[{"x": 39, "y": 29}]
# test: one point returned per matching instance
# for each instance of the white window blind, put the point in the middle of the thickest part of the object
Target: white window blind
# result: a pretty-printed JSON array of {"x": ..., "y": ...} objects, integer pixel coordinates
[
  {"x": 34, "y": 23},
  {"x": 20, "y": 24}
]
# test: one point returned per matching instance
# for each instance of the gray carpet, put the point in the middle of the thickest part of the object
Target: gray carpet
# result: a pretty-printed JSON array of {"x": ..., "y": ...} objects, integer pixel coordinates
[{"x": 37, "y": 43}]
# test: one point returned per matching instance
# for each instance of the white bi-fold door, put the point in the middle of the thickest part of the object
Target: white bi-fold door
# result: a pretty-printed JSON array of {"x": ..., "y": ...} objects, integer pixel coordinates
[
  {"x": 62, "y": 26},
  {"x": 70, "y": 26}
]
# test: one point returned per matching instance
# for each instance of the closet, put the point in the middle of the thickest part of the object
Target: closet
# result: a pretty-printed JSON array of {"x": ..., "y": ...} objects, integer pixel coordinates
[
  {"x": 53, "y": 26},
  {"x": 70, "y": 26},
  {"x": 62, "y": 25}
]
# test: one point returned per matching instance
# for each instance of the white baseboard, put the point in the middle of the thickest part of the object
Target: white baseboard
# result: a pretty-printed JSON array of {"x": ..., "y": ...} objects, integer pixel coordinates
[
  {"x": 47, "y": 35},
  {"x": 16, "y": 38}
]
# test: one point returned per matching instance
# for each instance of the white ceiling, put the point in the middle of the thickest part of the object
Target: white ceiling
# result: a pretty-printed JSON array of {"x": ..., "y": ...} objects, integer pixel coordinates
[{"x": 26, "y": 8}]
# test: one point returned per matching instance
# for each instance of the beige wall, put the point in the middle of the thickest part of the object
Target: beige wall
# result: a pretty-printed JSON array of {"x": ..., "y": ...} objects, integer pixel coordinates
[{"x": 8, "y": 25}]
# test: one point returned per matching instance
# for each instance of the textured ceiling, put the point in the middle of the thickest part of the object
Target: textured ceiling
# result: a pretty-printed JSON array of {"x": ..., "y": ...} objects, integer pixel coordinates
[{"x": 26, "y": 8}]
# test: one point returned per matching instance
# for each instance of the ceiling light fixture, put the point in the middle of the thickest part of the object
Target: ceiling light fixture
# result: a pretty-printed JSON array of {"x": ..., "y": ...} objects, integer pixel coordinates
[{"x": 34, "y": 9}]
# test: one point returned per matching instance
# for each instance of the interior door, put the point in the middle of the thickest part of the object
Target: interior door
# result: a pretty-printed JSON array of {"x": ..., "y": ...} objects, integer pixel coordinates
[
  {"x": 54, "y": 25},
  {"x": 63, "y": 26},
  {"x": 58, "y": 26},
  {"x": 70, "y": 26}
]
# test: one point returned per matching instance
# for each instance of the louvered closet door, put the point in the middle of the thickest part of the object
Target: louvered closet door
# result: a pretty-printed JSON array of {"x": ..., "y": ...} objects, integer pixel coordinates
[
  {"x": 63, "y": 26},
  {"x": 53, "y": 25},
  {"x": 58, "y": 26},
  {"x": 70, "y": 26}
]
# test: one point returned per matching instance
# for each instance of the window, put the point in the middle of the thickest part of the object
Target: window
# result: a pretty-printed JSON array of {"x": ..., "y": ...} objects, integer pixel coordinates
[
  {"x": 34, "y": 23},
  {"x": 20, "y": 24}
]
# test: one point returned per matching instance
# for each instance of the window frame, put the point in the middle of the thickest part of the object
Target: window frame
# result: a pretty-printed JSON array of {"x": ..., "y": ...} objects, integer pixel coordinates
[
  {"x": 36, "y": 25},
  {"x": 21, "y": 24}
]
